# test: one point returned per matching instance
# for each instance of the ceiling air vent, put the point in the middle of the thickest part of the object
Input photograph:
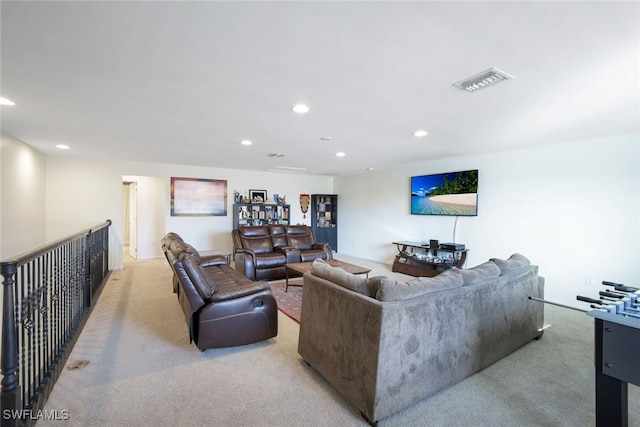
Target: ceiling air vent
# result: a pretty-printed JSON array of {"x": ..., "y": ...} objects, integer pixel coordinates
[{"x": 484, "y": 79}]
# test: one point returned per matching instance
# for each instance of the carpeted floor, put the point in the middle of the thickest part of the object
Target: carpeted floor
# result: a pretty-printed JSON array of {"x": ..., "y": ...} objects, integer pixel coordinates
[
  {"x": 143, "y": 371},
  {"x": 290, "y": 302}
]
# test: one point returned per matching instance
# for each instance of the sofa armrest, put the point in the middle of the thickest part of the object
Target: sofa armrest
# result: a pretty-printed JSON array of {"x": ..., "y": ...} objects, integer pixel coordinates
[
  {"x": 292, "y": 254},
  {"x": 214, "y": 255},
  {"x": 245, "y": 261},
  {"x": 239, "y": 291},
  {"x": 324, "y": 247},
  {"x": 208, "y": 261},
  {"x": 249, "y": 252}
]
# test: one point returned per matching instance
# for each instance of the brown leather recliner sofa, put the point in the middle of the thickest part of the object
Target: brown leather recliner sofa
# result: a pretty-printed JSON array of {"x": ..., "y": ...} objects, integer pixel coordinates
[
  {"x": 261, "y": 252},
  {"x": 222, "y": 307}
]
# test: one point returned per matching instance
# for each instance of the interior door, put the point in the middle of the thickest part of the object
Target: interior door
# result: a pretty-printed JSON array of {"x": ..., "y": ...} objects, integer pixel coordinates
[{"x": 133, "y": 220}]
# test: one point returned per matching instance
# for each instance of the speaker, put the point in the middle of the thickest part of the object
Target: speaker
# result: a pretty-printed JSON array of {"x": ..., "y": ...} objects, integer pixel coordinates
[{"x": 433, "y": 244}]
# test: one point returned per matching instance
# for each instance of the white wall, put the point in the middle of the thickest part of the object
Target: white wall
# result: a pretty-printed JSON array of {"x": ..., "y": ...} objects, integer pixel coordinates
[
  {"x": 84, "y": 192},
  {"x": 573, "y": 209},
  {"x": 22, "y": 206}
]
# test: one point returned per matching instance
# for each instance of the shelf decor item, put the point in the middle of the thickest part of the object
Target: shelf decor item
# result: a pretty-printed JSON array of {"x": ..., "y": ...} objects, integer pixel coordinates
[
  {"x": 198, "y": 197},
  {"x": 258, "y": 196},
  {"x": 304, "y": 204},
  {"x": 260, "y": 214}
]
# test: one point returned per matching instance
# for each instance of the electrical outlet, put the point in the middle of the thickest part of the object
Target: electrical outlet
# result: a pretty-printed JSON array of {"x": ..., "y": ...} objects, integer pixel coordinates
[{"x": 588, "y": 280}]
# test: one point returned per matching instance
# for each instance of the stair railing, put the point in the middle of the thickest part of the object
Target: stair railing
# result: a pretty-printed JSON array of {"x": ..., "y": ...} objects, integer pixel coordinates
[{"x": 48, "y": 294}]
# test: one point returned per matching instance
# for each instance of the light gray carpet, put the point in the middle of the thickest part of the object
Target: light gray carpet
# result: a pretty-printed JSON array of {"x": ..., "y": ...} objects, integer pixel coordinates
[{"x": 144, "y": 372}]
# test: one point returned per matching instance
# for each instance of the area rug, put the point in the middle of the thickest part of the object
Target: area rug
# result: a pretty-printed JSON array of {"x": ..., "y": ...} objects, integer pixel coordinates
[{"x": 290, "y": 303}]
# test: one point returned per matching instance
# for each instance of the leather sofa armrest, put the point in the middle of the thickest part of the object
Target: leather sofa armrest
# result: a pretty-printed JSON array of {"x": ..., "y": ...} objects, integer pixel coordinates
[
  {"x": 239, "y": 291},
  {"x": 291, "y": 254},
  {"x": 213, "y": 260},
  {"x": 245, "y": 261},
  {"x": 249, "y": 252},
  {"x": 323, "y": 246}
]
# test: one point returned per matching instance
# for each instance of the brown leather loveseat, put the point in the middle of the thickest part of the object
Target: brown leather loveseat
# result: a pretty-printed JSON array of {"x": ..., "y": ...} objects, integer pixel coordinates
[
  {"x": 222, "y": 307},
  {"x": 261, "y": 252}
]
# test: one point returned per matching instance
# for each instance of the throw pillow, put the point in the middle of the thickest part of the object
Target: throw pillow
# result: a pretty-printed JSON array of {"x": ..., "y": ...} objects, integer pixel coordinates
[
  {"x": 480, "y": 272},
  {"x": 342, "y": 278},
  {"x": 391, "y": 290},
  {"x": 200, "y": 279},
  {"x": 513, "y": 263}
]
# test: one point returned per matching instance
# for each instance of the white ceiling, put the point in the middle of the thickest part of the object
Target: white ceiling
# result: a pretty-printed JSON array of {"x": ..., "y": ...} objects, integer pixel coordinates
[{"x": 185, "y": 82}]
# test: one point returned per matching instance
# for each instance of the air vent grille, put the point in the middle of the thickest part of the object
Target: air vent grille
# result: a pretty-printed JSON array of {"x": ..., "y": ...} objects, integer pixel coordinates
[{"x": 484, "y": 79}]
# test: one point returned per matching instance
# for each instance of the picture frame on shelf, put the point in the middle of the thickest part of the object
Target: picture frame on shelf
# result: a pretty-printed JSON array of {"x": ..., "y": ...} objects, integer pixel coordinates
[{"x": 258, "y": 196}]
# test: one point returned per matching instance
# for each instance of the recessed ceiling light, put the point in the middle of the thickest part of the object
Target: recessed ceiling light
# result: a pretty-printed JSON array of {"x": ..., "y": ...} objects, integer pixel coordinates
[
  {"x": 340, "y": 154},
  {"x": 420, "y": 133},
  {"x": 63, "y": 146},
  {"x": 300, "y": 108},
  {"x": 246, "y": 142},
  {"x": 5, "y": 101},
  {"x": 325, "y": 138}
]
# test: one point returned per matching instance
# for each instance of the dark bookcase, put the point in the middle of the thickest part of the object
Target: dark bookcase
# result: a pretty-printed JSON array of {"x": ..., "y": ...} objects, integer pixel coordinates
[{"x": 324, "y": 218}]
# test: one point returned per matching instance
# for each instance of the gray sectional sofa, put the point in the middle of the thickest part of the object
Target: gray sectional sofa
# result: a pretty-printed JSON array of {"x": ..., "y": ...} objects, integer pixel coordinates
[{"x": 386, "y": 345}]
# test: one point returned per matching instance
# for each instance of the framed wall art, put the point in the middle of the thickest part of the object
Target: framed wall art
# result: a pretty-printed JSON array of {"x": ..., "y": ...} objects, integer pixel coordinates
[
  {"x": 198, "y": 197},
  {"x": 258, "y": 196}
]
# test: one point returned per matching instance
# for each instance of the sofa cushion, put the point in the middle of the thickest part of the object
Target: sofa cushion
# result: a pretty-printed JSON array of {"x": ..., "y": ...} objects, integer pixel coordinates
[
  {"x": 299, "y": 236},
  {"x": 270, "y": 260},
  {"x": 480, "y": 272},
  {"x": 179, "y": 247},
  {"x": 259, "y": 245},
  {"x": 254, "y": 231},
  {"x": 391, "y": 290},
  {"x": 278, "y": 236},
  {"x": 301, "y": 242},
  {"x": 342, "y": 278},
  {"x": 200, "y": 279},
  {"x": 513, "y": 263}
]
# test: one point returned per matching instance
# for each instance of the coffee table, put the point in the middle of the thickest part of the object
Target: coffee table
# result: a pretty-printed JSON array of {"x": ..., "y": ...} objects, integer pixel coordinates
[{"x": 305, "y": 267}]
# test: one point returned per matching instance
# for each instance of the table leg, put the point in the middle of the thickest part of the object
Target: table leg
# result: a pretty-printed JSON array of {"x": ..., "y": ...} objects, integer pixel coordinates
[{"x": 611, "y": 393}]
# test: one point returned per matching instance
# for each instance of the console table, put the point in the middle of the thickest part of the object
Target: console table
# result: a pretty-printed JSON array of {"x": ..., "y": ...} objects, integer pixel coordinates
[{"x": 421, "y": 260}]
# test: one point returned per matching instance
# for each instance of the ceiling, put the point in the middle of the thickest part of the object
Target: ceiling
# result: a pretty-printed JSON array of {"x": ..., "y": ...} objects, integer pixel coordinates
[{"x": 185, "y": 82}]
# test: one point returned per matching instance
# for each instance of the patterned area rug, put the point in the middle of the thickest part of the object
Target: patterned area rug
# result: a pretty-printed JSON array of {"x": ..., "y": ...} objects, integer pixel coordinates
[{"x": 290, "y": 303}]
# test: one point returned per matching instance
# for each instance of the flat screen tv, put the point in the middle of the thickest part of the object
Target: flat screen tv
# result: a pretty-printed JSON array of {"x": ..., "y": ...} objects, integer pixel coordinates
[{"x": 452, "y": 193}]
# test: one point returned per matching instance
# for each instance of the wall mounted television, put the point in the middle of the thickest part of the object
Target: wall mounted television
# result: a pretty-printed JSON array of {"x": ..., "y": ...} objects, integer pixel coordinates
[{"x": 452, "y": 193}]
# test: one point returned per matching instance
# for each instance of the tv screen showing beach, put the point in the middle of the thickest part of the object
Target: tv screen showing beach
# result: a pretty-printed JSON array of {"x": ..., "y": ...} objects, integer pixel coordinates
[{"x": 452, "y": 193}]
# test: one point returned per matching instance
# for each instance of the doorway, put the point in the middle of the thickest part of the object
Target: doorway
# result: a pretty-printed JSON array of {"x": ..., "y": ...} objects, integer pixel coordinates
[{"x": 130, "y": 220}]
